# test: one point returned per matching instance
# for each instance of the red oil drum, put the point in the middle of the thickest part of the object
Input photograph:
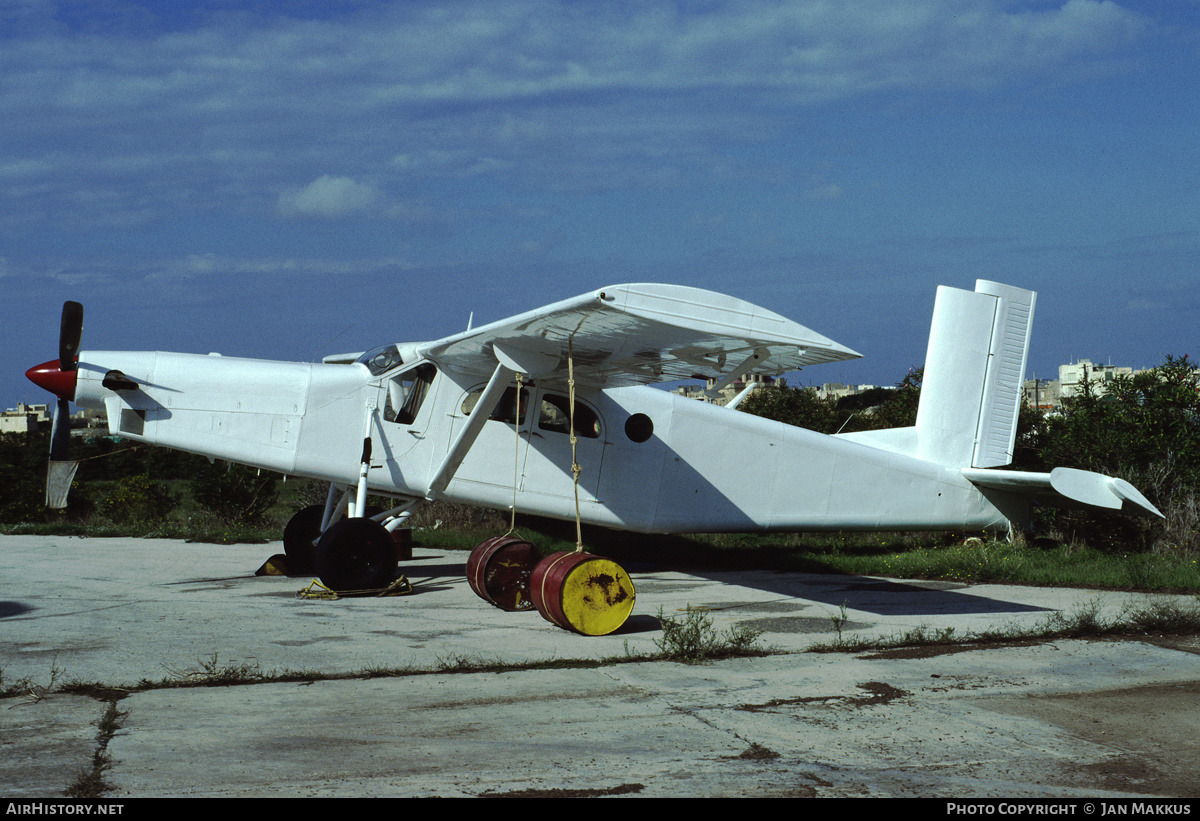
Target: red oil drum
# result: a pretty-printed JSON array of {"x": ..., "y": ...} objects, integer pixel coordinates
[
  {"x": 403, "y": 539},
  {"x": 582, "y": 592},
  {"x": 499, "y": 571}
]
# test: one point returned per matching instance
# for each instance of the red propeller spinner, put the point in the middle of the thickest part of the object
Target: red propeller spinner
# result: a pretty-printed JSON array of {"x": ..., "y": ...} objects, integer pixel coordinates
[{"x": 51, "y": 376}]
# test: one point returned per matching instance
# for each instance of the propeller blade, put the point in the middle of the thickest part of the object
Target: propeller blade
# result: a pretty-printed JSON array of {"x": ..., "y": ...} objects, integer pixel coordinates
[
  {"x": 60, "y": 432},
  {"x": 60, "y": 471},
  {"x": 69, "y": 335}
]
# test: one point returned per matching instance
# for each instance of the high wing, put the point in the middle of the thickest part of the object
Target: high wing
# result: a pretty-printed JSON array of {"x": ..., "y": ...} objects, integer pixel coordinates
[{"x": 639, "y": 334}]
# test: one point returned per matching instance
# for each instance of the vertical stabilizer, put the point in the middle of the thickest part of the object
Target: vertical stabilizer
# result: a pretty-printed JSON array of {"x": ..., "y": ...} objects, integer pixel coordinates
[{"x": 971, "y": 391}]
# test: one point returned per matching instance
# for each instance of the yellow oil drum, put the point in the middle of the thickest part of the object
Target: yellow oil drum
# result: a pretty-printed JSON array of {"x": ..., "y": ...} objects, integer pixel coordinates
[
  {"x": 499, "y": 572},
  {"x": 582, "y": 592}
]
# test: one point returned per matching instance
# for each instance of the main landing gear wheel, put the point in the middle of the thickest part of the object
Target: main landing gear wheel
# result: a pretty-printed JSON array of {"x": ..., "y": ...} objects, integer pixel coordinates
[
  {"x": 356, "y": 554},
  {"x": 299, "y": 537}
]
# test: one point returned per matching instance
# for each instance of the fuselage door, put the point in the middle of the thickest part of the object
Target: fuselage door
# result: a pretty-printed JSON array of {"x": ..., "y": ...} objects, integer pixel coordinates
[
  {"x": 406, "y": 400},
  {"x": 548, "y": 461}
]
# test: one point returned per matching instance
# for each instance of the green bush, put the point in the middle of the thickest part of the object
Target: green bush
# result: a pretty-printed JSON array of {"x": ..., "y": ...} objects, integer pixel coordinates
[
  {"x": 871, "y": 410},
  {"x": 137, "y": 499},
  {"x": 236, "y": 494},
  {"x": 693, "y": 639},
  {"x": 1143, "y": 428}
]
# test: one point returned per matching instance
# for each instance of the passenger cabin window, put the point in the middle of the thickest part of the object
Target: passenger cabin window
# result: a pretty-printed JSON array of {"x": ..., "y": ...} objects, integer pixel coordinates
[
  {"x": 555, "y": 416},
  {"x": 506, "y": 410},
  {"x": 406, "y": 393}
]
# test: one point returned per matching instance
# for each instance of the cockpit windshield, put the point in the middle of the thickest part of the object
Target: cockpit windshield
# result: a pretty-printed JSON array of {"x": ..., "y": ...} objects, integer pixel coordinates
[{"x": 381, "y": 359}]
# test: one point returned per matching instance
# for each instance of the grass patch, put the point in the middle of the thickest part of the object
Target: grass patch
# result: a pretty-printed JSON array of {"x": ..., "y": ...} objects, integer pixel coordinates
[
  {"x": 690, "y": 639},
  {"x": 936, "y": 556},
  {"x": 1086, "y": 621}
]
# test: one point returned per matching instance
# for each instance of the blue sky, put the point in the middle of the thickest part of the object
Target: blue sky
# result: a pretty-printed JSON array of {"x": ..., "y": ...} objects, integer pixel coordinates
[{"x": 289, "y": 180}]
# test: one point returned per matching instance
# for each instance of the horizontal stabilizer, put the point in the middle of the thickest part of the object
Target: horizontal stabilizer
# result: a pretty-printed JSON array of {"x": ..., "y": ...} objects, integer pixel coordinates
[{"x": 1063, "y": 487}]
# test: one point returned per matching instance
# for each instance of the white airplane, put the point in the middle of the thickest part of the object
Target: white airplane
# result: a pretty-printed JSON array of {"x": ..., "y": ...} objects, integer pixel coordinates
[{"x": 435, "y": 420}]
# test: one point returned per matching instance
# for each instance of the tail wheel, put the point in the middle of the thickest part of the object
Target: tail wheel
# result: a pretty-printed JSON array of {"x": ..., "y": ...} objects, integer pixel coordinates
[{"x": 356, "y": 554}]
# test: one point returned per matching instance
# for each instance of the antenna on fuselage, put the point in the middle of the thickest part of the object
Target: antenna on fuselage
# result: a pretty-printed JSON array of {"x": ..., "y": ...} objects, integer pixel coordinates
[{"x": 470, "y": 320}]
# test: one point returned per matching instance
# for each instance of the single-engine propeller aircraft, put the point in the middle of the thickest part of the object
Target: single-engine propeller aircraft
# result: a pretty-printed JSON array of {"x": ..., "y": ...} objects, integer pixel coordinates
[{"x": 593, "y": 441}]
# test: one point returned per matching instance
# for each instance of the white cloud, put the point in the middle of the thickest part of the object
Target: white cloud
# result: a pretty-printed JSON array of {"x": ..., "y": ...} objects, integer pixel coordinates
[
  {"x": 824, "y": 192},
  {"x": 201, "y": 115},
  {"x": 328, "y": 198}
]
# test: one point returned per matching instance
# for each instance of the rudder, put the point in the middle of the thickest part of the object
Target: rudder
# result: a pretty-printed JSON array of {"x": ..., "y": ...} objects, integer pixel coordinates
[{"x": 971, "y": 390}]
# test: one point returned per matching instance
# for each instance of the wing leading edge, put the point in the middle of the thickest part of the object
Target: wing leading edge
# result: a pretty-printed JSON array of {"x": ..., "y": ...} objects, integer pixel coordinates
[{"x": 640, "y": 334}]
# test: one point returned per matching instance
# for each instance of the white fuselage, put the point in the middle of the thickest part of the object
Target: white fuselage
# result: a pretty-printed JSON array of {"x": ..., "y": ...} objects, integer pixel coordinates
[{"x": 697, "y": 468}]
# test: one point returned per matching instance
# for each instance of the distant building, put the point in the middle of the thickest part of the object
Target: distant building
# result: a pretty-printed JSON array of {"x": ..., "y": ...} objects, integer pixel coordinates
[
  {"x": 830, "y": 390},
  {"x": 24, "y": 418},
  {"x": 1042, "y": 394},
  {"x": 29, "y": 418},
  {"x": 1047, "y": 394},
  {"x": 836, "y": 390},
  {"x": 1071, "y": 377},
  {"x": 726, "y": 394}
]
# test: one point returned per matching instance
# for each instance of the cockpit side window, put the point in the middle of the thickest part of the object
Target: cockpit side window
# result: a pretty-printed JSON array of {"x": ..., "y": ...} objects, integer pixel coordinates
[
  {"x": 506, "y": 410},
  {"x": 406, "y": 393}
]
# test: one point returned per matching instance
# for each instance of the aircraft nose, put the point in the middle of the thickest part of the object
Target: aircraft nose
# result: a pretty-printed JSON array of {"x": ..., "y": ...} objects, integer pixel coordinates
[{"x": 52, "y": 377}]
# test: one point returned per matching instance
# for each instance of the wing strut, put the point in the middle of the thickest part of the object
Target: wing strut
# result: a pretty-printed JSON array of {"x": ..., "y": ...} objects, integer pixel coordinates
[
  {"x": 759, "y": 355},
  {"x": 470, "y": 432}
]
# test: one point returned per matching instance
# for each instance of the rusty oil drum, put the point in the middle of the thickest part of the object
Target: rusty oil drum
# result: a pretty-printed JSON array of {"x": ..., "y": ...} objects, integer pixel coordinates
[
  {"x": 499, "y": 571},
  {"x": 582, "y": 592}
]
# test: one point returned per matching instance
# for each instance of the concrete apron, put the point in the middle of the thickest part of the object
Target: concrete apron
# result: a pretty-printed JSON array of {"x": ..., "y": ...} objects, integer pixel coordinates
[{"x": 1068, "y": 718}]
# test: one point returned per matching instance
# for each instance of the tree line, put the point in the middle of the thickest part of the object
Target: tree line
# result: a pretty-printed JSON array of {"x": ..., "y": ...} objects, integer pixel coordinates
[{"x": 129, "y": 484}]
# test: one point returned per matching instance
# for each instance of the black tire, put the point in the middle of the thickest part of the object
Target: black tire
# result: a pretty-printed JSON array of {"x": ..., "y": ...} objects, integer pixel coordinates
[
  {"x": 299, "y": 537},
  {"x": 356, "y": 554}
]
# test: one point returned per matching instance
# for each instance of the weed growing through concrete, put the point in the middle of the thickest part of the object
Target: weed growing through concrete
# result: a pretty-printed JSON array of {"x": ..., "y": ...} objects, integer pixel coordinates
[
  {"x": 693, "y": 638},
  {"x": 28, "y": 688},
  {"x": 839, "y": 620},
  {"x": 213, "y": 673},
  {"x": 91, "y": 783}
]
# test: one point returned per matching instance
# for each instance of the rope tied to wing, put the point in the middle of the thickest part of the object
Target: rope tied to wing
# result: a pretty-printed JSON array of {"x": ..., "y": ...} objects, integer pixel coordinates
[{"x": 575, "y": 468}]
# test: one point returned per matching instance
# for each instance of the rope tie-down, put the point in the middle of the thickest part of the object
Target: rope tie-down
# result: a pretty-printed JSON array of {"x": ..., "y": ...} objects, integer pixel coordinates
[{"x": 574, "y": 590}]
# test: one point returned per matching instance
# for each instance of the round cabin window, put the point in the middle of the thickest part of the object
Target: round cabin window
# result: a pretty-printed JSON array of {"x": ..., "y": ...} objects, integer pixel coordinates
[{"x": 639, "y": 427}]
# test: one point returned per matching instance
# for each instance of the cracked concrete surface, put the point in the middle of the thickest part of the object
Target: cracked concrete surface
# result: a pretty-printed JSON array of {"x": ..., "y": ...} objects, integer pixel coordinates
[{"x": 1055, "y": 719}]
